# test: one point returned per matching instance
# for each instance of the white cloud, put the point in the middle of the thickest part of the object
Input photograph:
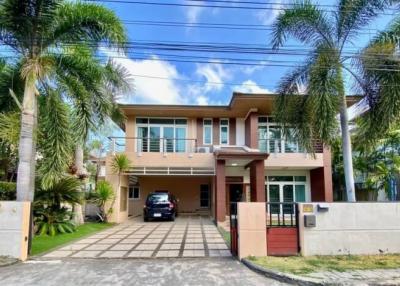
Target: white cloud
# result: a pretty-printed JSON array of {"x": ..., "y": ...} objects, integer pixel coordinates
[
  {"x": 215, "y": 74},
  {"x": 202, "y": 100},
  {"x": 250, "y": 86},
  {"x": 268, "y": 16},
  {"x": 193, "y": 13},
  {"x": 153, "y": 80}
]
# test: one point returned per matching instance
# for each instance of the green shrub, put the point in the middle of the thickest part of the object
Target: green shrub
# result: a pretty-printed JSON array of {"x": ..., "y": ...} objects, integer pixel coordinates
[{"x": 8, "y": 191}]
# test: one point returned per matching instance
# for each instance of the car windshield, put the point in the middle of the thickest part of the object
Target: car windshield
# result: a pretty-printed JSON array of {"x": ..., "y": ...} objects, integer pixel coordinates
[{"x": 158, "y": 198}]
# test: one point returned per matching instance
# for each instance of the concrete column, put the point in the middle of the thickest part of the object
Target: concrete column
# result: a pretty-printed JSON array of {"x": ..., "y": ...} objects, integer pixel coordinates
[
  {"x": 220, "y": 191},
  {"x": 257, "y": 181},
  {"x": 321, "y": 180},
  {"x": 251, "y": 130}
]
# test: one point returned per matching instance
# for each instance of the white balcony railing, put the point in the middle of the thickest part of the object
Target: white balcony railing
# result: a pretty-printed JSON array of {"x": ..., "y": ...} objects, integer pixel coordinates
[{"x": 286, "y": 146}]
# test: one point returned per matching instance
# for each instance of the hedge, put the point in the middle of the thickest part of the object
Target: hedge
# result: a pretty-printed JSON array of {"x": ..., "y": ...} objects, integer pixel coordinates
[{"x": 8, "y": 191}]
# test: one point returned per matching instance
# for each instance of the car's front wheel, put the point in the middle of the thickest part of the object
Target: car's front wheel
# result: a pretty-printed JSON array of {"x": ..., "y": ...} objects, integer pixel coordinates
[
  {"x": 172, "y": 217},
  {"x": 145, "y": 219}
]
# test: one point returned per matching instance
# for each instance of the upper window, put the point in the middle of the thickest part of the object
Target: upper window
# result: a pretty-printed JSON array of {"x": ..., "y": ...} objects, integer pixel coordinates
[
  {"x": 207, "y": 131},
  {"x": 134, "y": 192},
  {"x": 224, "y": 131}
]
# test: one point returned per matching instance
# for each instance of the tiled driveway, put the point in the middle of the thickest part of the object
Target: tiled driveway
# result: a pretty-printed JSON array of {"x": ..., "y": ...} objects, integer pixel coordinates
[{"x": 186, "y": 237}]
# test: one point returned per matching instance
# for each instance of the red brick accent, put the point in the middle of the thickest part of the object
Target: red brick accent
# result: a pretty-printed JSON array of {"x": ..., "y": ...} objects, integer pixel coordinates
[
  {"x": 321, "y": 180},
  {"x": 232, "y": 131},
  {"x": 251, "y": 129},
  {"x": 220, "y": 191},
  {"x": 199, "y": 131},
  {"x": 257, "y": 181},
  {"x": 282, "y": 241},
  {"x": 215, "y": 131}
]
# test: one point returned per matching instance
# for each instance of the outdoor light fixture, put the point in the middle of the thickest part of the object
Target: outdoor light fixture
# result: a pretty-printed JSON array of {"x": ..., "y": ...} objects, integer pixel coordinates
[{"x": 234, "y": 164}]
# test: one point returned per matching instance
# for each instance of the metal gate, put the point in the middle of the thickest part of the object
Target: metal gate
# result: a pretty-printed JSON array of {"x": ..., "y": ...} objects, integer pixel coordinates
[
  {"x": 282, "y": 229},
  {"x": 233, "y": 229}
]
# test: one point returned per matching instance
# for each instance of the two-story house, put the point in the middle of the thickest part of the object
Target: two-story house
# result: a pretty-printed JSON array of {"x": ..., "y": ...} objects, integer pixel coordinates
[{"x": 210, "y": 156}]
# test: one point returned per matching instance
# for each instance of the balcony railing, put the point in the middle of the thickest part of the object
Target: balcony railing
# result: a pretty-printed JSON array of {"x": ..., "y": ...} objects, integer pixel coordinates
[
  {"x": 155, "y": 145},
  {"x": 286, "y": 146}
]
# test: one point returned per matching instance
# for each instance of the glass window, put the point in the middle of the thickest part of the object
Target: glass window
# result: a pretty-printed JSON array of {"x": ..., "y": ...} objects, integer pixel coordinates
[
  {"x": 262, "y": 138},
  {"x": 180, "y": 121},
  {"x": 142, "y": 120},
  {"x": 134, "y": 192},
  {"x": 300, "y": 178},
  {"x": 180, "y": 142},
  {"x": 274, "y": 197},
  {"x": 161, "y": 121},
  {"x": 142, "y": 142},
  {"x": 224, "y": 131},
  {"x": 262, "y": 119},
  {"x": 280, "y": 178},
  {"x": 300, "y": 191},
  {"x": 157, "y": 198},
  {"x": 168, "y": 139},
  {"x": 207, "y": 131}
]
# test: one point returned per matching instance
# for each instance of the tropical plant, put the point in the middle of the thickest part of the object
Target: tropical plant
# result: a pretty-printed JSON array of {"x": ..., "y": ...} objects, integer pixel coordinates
[
  {"x": 52, "y": 206},
  {"x": 314, "y": 93},
  {"x": 7, "y": 191},
  {"x": 101, "y": 197},
  {"x": 119, "y": 165},
  {"x": 44, "y": 33}
]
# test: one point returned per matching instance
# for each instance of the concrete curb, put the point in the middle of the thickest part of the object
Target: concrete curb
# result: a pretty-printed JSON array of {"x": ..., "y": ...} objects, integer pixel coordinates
[
  {"x": 280, "y": 276},
  {"x": 7, "y": 261}
]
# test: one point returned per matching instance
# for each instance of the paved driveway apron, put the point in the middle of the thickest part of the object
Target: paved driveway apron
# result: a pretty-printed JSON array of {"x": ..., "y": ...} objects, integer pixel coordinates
[{"x": 186, "y": 237}]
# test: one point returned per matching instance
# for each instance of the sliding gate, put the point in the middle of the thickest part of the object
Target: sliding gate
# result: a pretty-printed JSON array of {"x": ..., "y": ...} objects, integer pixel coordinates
[{"x": 282, "y": 229}]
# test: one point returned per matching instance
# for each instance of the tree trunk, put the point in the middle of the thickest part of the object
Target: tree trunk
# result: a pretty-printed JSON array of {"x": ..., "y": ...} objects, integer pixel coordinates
[
  {"x": 81, "y": 172},
  {"x": 347, "y": 153},
  {"x": 27, "y": 144}
]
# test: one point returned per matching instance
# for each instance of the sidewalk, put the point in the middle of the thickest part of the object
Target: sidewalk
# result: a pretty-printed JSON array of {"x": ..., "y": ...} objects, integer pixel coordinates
[{"x": 354, "y": 277}]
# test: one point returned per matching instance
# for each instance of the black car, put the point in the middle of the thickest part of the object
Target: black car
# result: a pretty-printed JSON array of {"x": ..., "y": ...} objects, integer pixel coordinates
[{"x": 160, "y": 205}]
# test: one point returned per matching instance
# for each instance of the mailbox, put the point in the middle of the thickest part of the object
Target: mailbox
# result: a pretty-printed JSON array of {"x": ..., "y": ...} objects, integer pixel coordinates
[{"x": 309, "y": 221}]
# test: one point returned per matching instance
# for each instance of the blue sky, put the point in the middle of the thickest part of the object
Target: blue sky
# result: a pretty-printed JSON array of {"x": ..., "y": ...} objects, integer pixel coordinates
[{"x": 189, "y": 83}]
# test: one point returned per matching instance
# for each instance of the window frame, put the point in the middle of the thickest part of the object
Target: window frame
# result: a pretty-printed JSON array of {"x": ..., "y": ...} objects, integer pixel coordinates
[
  {"x": 227, "y": 131},
  {"x": 211, "y": 126},
  {"x": 133, "y": 193}
]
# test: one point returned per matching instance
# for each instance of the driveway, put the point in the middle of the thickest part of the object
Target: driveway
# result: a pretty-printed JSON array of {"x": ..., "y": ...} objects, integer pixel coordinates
[
  {"x": 188, "y": 236},
  {"x": 167, "y": 271}
]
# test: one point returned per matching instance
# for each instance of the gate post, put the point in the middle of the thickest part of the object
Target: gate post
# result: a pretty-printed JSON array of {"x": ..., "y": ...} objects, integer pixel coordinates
[{"x": 252, "y": 237}]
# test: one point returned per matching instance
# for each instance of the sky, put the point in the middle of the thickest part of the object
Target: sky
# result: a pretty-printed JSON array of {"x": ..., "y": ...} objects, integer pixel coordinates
[{"x": 160, "y": 80}]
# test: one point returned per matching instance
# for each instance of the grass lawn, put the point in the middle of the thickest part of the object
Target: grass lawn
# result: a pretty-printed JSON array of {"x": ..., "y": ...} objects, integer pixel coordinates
[
  {"x": 225, "y": 235},
  {"x": 45, "y": 243},
  {"x": 304, "y": 265}
]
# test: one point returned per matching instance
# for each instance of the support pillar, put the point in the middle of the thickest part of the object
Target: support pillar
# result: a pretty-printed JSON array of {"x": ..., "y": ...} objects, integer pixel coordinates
[
  {"x": 220, "y": 191},
  {"x": 257, "y": 181},
  {"x": 321, "y": 180}
]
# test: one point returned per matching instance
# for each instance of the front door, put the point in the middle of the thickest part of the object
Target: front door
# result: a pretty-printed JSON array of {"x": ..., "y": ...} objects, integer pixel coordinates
[{"x": 235, "y": 193}]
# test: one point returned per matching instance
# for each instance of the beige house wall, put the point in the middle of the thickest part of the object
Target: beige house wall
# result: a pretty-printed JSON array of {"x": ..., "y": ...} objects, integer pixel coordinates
[
  {"x": 186, "y": 189},
  {"x": 148, "y": 159},
  {"x": 294, "y": 160},
  {"x": 117, "y": 215},
  {"x": 252, "y": 238},
  {"x": 14, "y": 229},
  {"x": 351, "y": 228}
]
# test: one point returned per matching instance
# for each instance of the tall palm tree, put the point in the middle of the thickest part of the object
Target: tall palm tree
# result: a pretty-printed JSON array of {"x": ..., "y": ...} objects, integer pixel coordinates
[
  {"x": 39, "y": 31},
  {"x": 312, "y": 114}
]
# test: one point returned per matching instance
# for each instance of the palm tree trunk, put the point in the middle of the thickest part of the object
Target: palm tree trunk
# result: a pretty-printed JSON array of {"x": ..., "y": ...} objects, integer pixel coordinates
[
  {"x": 78, "y": 211},
  {"x": 27, "y": 144},
  {"x": 347, "y": 153}
]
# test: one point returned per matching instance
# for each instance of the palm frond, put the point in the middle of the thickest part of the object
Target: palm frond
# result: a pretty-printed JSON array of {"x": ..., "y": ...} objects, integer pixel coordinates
[{"x": 305, "y": 22}]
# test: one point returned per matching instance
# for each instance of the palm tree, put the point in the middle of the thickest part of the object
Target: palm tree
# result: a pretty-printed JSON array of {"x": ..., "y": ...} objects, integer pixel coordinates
[
  {"x": 312, "y": 114},
  {"x": 41, "y": 32},
  {"x": 119, "y": 165},
  {"x": 102, "y": 195}
]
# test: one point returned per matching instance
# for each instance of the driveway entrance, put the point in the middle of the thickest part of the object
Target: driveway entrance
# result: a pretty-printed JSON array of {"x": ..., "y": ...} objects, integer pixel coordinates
[{"x": 188, "y": 236}]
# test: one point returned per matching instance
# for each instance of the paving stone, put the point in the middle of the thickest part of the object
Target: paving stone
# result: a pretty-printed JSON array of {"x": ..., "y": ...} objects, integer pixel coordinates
[
  {"x": 98, "y": 246},
  {"x": 193, "y": 253},
  {"x": 194, "y": 240},
  {"x": 119, "y": 236},
  {"x": 194, "y": 246},
  {"x": 140, "y": 254},
  {"x": 217, "y": 246},
  {"x": 74, "y": 247},
  {"x": 86, "y": 253},
  {"x": 59, "y": 253},
  {"x": 137, "y": 236},
  {"x": 123, "y": 247},
  {"x": 114, "y": 254},
  {"x": 215, "y": 240},
  {"x": 173, "y": 240},
  {"x": 130, "y": 240},
  {"x": 152, "y": 240},
  {"x": 88, "y": 240},
  {"x": 167, "y": 253},
  {"x": 170, "y": 246},
  {"x": 147, "y": 246},
  {"x": 108, "y": 240}
]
